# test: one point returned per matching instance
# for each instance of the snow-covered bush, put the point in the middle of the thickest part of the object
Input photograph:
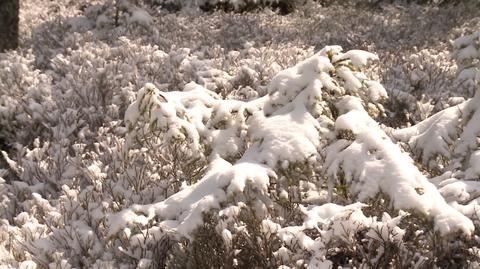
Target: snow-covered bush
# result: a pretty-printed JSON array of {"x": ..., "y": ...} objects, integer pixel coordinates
[
  {"x": 24, "y": 99},
  {"x": 78, "y": 158},
  {"x": 467, "y": 54},
  {"x": 414, "y": 86},
  {"x": 447, "y": 142},
  {"x": 334, "y": 103},
  {"x": 205, "y": 141}
]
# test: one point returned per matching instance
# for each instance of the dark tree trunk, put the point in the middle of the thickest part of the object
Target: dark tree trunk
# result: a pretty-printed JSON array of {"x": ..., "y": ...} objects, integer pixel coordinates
[{"x": 9, "y": 24}]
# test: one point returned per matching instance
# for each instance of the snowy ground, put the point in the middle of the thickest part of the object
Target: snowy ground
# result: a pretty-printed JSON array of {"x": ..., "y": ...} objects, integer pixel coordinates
[{"x": 348, "y": 136}]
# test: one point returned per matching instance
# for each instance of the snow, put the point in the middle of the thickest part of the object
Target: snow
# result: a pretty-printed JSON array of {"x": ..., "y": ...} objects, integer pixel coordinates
[
  {"x": 79, "y": 23},
  {"x": 376, "y": 91},
  {"x": 295, "y": 142},
  {"x": 285, "y": 131},
  {"x": 474, "y": 170},
  {"x": 427, "y": 140},
  {"x": 140, "y": 16},
  {"x": 27, "y": 265},
  {"x": 468, "y": 74},
  {"x": 128, "y": 133},
  {"x": 469, "y": 52},
  {"x": 289, "y": 94},
  {"x": 465, "y": 40},
  {"x": 359, "y": 58},
  {"x": 372, "y": 151}
]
